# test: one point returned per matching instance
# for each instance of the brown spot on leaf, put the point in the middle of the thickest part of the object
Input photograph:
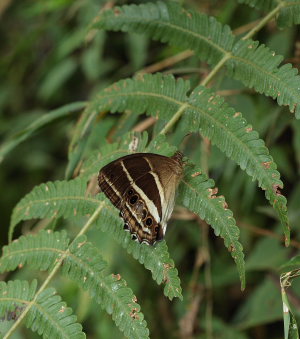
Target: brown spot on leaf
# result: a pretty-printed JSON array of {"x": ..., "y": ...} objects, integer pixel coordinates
[
  {"x": 224, "y": 203},
  {"x": 167, "y": 266},
  {"x": 231, "y": 248},
  {"x": 117, "y": 276},
  {"x": 267, "y": 164},
  {"x": 213, "y": 192},
  {"x": 13, "y": 315},
  {"x": 166, "y": 279},
  {"x": 134, "y": 313},
  {"x": 276, "y": 190},
  {"x": 188, "y": 14},
  {"x": 80, "y": 244},
  {"x": 196, "y": 174},
  {"x": 116, "y": 87},
  {"x": 62, "y": 309},
  {"x": 237, "y": 114},
  {"x": 117, "y": 11},
  {"x": 248, "y": 129}
]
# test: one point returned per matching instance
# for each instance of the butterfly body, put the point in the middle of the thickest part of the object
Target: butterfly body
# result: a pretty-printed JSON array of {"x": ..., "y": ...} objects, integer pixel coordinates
[{"x": 142, "y": 186}]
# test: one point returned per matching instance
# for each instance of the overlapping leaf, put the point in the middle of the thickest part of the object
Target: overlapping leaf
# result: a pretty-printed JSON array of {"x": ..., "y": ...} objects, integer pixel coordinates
[
  {"x": 256, "y": 66},
  {"x": 204, "y": 112}
]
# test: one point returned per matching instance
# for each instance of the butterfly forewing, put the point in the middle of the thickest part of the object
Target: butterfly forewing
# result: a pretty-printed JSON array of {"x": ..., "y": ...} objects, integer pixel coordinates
[{"x": 142, "y": 186}]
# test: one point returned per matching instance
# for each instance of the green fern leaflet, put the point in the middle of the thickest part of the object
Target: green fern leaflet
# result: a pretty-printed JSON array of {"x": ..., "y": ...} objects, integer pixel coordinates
[
  {"x": 83, "y": 264},
  {"x": 256, "y": 66},
  {"x": 48, "y": 315}
]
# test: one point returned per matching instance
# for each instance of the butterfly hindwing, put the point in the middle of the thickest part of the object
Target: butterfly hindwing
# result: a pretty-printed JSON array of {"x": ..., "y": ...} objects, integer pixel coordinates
[{"x": 142, "y": 186}]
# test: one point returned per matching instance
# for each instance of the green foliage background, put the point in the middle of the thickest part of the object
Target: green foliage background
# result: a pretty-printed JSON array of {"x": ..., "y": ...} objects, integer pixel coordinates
[{"x": 61, "y": 94}]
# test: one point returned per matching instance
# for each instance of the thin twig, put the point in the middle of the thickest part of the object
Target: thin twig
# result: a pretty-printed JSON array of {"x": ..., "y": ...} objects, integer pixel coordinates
[
  {"x": 245, "y": 28},
  {"x": 205, "y": 154},
  {"x": 263, "y": 22},
  {"x": 269, "y": 233},
  {"x": 143, "y": 125},
  {"x": 167, "y": 62},
  {"x": 174, "y": 119},
  {"x": 181, "y": 213}
]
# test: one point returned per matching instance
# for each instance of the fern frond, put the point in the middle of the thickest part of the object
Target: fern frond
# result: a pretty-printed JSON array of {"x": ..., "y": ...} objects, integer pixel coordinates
[
  {"x": 38, "y": 251},
  {"x": 258, "y": 67},
  {"x": 67, "y": 198},
  {"x": 51, "y": 318},
  {"x": 198, "y": 194},
  {"x": 207, "y": 113},
  {"x": 169, "y": 22},
  {"x": 52, "y": 200},
  {"x": 83, "y": 264},
  {"x": 229, "y": 131},
  {"x": 48, "y": 315},
  {"x": 255, "y": 66}
]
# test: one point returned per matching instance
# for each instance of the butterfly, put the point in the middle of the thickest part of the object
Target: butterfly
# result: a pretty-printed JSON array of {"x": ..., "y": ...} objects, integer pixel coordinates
[{"x": 143, "y": 186}]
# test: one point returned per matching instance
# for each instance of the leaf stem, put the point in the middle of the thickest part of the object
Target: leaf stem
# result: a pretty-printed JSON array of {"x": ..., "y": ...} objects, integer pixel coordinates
[
  {"x": 263, "y": 22},
  {"x": 174, "y": 119},
  {"x": 249, "y": 35},
  {"x": 53, "y": 272},
  {"x": 216, "y": 69}
]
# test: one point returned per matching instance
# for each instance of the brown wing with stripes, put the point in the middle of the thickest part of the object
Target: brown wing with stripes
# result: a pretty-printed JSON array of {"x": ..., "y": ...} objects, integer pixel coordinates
[{"x": 134, "y": 184}]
